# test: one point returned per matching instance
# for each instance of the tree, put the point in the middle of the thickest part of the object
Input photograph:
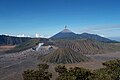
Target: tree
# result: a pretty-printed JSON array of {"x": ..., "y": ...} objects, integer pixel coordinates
[
  {"x": 110, "y": 72},
  {"x": 114, "y": 67},
  {"x": 72, "y": 73},
  {"x": 61, "y": 69},
  {"x": 102, "y": 74},
  {"x": 40, "y": 74}
]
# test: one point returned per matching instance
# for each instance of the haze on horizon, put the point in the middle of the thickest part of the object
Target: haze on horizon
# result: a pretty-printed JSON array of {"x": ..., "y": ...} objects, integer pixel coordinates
[{"x": 47, "y": 17}]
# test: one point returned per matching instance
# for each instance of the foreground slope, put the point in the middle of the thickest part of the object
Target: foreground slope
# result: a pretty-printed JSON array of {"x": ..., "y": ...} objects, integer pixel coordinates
[{"x": 64, "y": 55}]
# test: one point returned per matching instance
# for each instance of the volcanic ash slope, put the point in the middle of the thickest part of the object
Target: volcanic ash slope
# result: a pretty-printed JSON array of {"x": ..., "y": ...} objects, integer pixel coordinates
[
  {"x": 64, "y": 55},
  {"x": 86, "y": 46}
]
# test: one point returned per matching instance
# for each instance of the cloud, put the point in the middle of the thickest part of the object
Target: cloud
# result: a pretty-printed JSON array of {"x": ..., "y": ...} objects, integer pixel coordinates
[
  {"x": 105, "y": 30},
  {"x": 37, "y": 35},
  {"x": 7, "y": 34},
  {"x": 100, "y": 28},
  {"x": 22, "y": 35},
  {"x": 47, "y": 36}
]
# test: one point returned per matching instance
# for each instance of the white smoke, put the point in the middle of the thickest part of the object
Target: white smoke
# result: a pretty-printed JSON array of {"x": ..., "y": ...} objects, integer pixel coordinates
[{"x": 39, "y": 45}]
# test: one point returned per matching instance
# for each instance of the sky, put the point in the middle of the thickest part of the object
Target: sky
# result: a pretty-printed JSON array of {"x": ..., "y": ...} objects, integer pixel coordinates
[{"x": 47, "y": 17}]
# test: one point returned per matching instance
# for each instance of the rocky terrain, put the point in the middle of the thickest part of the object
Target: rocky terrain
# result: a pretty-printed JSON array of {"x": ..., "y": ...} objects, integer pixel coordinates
[
  {"x": 12, "y": 65},
  {"x": 5, "y": 48}
]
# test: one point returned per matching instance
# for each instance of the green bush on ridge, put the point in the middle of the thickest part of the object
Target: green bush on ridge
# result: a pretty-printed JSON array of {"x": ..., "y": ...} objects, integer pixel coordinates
[
  {"x": 110, "y": 72},
  {"x": 40, "y": 74}
]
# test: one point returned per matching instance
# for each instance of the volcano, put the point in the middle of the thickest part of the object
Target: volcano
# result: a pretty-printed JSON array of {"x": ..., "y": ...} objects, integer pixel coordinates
[
  {"x": 64, "y": 55},
  {"x": 69, "y": 35},
  {"x": 65, "y": 34}
]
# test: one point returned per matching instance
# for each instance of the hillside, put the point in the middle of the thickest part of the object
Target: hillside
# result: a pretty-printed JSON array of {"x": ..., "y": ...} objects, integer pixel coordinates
[
  {"x": 86, "y": 46},
  {"x": 64, "y": 55},
  {"x": 96, "y": 37},
  {"x": 11, "y": 40},
  {"x": 27, "y": 45}
]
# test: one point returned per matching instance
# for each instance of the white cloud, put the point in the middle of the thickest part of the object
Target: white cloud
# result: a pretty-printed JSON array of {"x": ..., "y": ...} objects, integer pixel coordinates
[
  {"x": 33, "y": 36},
  {"x": 28, "y": 36},
  {"x": 23, "y": 35},
  {"x": 42, "y": 36},
  {"x": 6, "y": 34},
  {"x": 37, "y": 35},
  {"x": 47, "y": 36},
  {"x": 100, "y": 28}
]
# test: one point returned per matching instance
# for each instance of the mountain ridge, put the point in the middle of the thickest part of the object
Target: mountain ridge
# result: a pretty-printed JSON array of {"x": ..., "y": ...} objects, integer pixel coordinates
[
  {"x": 86, "y": 46},
  {"x": 68, "y": 34},
  {"x": 12, "y": 40}
]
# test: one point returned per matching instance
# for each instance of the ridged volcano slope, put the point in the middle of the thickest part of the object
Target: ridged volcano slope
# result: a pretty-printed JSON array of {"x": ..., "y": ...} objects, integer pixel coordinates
[
  {"x": 87, "y": 46},
  {"x": 64, "y": 55}
]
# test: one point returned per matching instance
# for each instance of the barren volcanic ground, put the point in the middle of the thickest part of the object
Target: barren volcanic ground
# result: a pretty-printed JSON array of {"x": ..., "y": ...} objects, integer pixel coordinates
[
  {"x": 5, "y": 48},
  {"x": 12, "y": 65}
]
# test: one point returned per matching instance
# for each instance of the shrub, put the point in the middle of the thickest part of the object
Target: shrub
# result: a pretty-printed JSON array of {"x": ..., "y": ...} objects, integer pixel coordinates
[{"x": 40, "y": 74}]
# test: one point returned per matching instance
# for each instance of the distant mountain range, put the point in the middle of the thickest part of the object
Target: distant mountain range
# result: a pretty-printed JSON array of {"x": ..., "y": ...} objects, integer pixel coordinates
[
  {"x": 67, "y": 34},
  {"x": 61, "y": 39},
  {"x": 64, "y": 34}
]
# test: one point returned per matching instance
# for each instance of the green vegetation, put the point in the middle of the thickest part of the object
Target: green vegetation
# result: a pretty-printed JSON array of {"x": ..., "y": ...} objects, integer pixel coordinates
[
  {"x": 111, "y": 71},
  {"x": 72, "y": 73},
  {"x": 40, "y": 74}
]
